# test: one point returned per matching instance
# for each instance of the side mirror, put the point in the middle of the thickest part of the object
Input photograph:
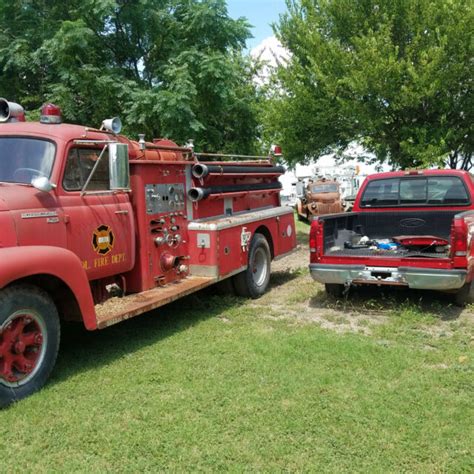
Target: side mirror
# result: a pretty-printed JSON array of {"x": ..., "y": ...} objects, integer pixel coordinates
[
  {"x": 119, "y": 171},
  {"x": 300, "y": 189},
  {"x": 42, "y": 183}
]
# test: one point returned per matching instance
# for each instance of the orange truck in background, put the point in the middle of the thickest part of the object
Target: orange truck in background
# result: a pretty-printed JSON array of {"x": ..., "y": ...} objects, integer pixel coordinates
[{"x": 317, "y": 198}]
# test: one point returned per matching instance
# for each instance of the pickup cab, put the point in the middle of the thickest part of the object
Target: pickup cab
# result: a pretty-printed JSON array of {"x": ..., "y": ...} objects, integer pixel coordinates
[{"x": 408, "y": 228}]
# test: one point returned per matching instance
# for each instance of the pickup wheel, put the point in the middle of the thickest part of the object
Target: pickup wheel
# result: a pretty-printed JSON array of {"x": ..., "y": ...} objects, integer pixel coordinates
[
  {"x": 335, "y": 290},
  {"x": 29, "y": 341},
  {"x": 254, "y": 281},
  {"x": 465, "y": 294}
]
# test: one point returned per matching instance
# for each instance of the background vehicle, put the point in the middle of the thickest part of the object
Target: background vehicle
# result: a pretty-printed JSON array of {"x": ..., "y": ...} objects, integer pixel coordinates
[
  {"x": 318, "y": 197},
  {"x": 99, "y": 228},
  {"x": 410, "y": 229}
]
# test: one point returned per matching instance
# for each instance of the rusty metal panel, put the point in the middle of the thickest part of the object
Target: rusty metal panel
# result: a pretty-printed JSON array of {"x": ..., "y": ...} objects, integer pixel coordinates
[{"x": 116, "y": 310}]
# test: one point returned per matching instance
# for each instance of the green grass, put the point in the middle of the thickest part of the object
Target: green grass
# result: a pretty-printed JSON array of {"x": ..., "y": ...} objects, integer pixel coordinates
[{"x": 221, "y": 383}]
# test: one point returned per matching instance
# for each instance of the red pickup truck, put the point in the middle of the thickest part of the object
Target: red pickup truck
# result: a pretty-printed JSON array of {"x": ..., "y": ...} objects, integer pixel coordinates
[{"x": 408, "y": 228}]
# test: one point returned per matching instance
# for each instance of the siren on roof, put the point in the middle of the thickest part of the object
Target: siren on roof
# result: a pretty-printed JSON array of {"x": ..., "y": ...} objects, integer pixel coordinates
[
  {"x": 113, "y": 125},
  {"x": 11, "y": 112}
]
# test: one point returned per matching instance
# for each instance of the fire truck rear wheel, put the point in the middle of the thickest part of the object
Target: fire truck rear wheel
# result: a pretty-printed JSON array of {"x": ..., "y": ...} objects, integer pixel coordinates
[
  {"x": 29, "y": 341},
  {"x": 254, "y": 281}
]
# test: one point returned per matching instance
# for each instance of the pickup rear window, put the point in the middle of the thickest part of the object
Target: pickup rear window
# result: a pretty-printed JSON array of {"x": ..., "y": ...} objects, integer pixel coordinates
[{"x": 416, "y": 191}]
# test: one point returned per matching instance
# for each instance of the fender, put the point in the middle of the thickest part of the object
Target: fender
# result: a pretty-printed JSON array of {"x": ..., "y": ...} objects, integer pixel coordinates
[{"x": 22, "y": 262}]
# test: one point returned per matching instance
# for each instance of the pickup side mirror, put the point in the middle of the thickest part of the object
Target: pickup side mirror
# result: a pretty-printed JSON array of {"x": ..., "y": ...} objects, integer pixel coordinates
[{"x": 119, "y": 170}]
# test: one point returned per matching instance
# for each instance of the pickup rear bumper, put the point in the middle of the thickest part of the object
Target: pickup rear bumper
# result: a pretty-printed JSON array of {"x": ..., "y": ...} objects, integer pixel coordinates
[{"x": 420, "y": 278}]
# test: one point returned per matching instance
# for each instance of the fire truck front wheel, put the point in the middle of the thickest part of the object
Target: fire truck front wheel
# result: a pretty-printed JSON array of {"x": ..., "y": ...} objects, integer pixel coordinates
[
  {"x": 254, "y": 281},
  {"x": 29, "y": 341}
]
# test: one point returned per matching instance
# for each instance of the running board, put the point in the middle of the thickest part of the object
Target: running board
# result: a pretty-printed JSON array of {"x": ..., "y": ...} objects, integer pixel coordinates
[{"x": 116, "y": 310}]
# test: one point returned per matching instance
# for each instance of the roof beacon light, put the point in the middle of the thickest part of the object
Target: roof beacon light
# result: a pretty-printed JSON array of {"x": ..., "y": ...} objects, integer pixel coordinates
[
  {"x": 50, "y": 114},
  {"x": 11, "y": 112},
  {"x": 113, "y": 125},
  {"x": 276, "y": 150}
]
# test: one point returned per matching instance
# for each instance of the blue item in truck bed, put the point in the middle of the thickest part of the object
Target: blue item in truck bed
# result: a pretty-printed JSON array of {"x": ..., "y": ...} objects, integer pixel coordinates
[{"x": 387, "y": 245}]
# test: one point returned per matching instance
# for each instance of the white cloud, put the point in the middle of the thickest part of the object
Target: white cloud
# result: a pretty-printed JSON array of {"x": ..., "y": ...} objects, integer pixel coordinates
[{"x": 271, "y": 52}]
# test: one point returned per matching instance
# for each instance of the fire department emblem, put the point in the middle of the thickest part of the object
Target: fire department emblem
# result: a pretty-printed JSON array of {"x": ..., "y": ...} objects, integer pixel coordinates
[{"x": 103, "y": 240}]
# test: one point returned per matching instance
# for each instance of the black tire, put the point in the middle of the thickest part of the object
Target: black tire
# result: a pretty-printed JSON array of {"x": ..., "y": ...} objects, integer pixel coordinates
[
  {"x": 336, "y": 290},
  {"x": 29, "y": 335},
  {"x": 465, "y": 295},
  {"x": 298, "y": 215},
  {"x": 224, "y": 287},
  {"x": 253, "y": 282}
]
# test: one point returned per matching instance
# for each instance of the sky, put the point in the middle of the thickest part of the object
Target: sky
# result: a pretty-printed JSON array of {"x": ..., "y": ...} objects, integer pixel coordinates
[{"x": 259, "y": 13}]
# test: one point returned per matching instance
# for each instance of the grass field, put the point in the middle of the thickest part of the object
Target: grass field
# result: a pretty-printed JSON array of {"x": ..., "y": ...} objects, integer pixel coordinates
[{"x": 292, "y": 381}]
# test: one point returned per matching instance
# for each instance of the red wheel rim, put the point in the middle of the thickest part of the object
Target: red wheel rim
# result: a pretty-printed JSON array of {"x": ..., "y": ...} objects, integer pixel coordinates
[{"x": 22, "y": 347}]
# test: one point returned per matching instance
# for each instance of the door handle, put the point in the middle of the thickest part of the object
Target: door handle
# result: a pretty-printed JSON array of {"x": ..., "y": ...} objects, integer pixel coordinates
[{"x": 122, "y": 212}]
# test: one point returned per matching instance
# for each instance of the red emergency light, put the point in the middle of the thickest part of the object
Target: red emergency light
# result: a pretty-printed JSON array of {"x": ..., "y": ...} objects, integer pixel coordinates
[
  {"x": 276, "y": 150},
  {"x": 50, "y": 114}
]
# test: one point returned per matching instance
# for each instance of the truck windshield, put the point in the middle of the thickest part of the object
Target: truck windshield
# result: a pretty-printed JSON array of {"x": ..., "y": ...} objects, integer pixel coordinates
[
  {"x": 22, "y": 159},
  {"x": 324, "y": 188}
]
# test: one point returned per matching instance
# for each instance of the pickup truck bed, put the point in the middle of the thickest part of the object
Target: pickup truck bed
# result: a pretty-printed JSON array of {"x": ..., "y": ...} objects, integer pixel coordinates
[{"x": 341, "y": 229}]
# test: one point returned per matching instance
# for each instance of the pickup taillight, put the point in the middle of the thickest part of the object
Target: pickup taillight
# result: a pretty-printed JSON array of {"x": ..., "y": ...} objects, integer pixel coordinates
[
  {"x": 314, "y": 232},
  {"x": 458, "y": 238}
]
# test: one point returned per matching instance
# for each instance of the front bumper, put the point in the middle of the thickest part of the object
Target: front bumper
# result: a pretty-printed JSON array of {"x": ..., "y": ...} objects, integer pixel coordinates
[{"x": 420, "y": 278}]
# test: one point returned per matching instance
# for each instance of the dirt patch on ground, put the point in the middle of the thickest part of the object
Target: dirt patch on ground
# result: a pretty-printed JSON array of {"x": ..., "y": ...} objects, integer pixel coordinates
[{"x": 297, "y": 260}]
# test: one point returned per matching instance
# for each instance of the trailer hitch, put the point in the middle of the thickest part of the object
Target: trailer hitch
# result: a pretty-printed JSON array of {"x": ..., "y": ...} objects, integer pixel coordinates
[{"x": 347, "y": 287}]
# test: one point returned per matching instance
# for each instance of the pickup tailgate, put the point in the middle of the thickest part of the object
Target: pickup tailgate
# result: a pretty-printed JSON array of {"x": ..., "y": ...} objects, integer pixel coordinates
[{"x": 352, "y": 248}]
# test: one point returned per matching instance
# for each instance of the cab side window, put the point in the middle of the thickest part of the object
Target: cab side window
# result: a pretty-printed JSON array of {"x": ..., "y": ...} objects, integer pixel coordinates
[{"x": 79, "y": 165}]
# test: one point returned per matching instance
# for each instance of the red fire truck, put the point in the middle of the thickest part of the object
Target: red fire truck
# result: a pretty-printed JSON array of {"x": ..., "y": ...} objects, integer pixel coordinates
[{"x": 99, "y": 228}]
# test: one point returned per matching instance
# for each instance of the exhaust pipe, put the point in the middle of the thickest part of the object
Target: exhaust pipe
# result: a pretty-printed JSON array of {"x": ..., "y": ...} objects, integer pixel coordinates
[
  {"x": 197, "y": 194},
  {"x": 11, "y": 112},
  {"x": 201, "y": 170}
]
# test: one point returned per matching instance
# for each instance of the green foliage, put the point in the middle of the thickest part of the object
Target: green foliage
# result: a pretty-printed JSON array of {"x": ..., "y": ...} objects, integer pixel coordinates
[
  {"x": 395, "y": 75},
  {"x": 167, "y": 67}
]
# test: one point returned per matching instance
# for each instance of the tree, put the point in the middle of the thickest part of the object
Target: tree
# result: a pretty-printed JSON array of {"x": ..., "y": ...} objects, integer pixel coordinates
[
  {"x": 394, "y": 75},
  {"x": 167, "y": 67}
]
